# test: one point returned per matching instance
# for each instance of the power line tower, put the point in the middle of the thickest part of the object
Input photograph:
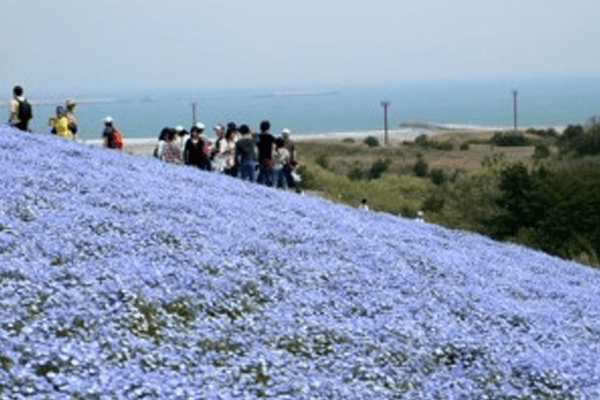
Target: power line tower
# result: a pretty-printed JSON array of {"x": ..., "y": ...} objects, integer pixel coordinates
[
  {"x": 515, "y": 109},
  {"x": 385, "y": 105}
]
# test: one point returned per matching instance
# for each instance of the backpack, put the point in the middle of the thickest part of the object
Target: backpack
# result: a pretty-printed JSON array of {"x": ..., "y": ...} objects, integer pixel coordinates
[
  {"x": 117, "y": 139},
  {"x": 24, "y": 112}
]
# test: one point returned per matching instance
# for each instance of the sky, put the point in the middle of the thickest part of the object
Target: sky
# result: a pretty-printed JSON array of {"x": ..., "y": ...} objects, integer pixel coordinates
[{"x": 103, "y": 46}]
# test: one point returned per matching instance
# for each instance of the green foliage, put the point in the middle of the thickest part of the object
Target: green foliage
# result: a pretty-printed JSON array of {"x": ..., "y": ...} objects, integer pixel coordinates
[
  {"x": 582, "y": 141},
  {"x": 571, "y": 135},
  {"x": 421, "y": 167},
  {"x": 589, "y": 143},
  {"x": 435, "y": 202},
  {"x": 446, "y": 146},
  {"x": 541, "y": 151},
  {"x": 356, "y": 174},
  {"x": 507, "y": 139},
  {"x": 556, "y": 211},
  {"x": 347, "y": 140},
  {"x": 322, "y": 160},
  {"x": 464, "y": 146},
  {"x": 494, "y": 160},
  {"x": 308, "y": 180},
  {"x": 378, "y": 168},
  {"x": 545, "y": 133},
  {"x": 517, "y": 201},
  {"x": 371, "y": 141},
  {"x": 422, "y": 140},
  {"x": 438, "y": 176}
]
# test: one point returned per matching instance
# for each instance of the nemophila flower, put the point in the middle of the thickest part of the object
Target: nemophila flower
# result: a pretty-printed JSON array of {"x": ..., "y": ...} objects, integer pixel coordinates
[{"x": 123, "y": 277}]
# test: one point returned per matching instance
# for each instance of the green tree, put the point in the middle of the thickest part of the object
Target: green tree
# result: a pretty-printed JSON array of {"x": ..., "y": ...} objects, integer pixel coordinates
[
  {"x": 421, "y": 167},
  {"x": 371, "y": 141}
]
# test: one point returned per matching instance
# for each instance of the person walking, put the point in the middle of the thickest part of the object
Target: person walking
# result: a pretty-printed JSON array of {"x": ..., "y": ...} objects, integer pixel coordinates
[
  {"x": 246, "y": 154},
  {"x": 20, "y": 111}
]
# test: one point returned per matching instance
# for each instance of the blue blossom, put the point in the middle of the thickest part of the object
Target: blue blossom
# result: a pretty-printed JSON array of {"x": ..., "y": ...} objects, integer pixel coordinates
[{"x": 123, "y": 277}]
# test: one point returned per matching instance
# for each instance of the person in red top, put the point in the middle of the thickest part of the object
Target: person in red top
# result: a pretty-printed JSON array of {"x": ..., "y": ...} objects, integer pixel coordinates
[{"x": 111, "y": 135}]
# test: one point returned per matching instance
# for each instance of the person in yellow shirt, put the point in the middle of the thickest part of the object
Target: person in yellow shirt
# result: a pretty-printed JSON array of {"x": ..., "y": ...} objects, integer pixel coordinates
[{"x": 60, "y": 123}]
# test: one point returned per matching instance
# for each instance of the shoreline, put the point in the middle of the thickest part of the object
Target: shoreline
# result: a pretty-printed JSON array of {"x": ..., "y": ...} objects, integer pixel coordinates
[{"x": 145, "y": 146}]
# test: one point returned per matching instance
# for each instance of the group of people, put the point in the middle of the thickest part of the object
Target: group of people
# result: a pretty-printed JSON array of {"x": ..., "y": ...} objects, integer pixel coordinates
[
  {"x": 63, "y": 124},
  {"x": 237, "y": 151}
]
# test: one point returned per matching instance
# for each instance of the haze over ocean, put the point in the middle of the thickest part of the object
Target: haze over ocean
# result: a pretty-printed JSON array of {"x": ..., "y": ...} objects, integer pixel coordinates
[{"x": 324, "y": 109}]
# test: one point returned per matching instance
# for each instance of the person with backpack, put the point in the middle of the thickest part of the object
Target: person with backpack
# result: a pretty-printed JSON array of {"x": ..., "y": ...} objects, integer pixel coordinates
[
  {"x": 111, "y": 135},
  {"x": 20, "y": 111}
]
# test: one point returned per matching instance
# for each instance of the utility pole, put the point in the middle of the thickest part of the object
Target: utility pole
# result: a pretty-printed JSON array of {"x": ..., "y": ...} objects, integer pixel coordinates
[
  {"x": 385, "y": 105},
  {"x": 193, "y": 114},
  {"x": 515, "y": 111}
]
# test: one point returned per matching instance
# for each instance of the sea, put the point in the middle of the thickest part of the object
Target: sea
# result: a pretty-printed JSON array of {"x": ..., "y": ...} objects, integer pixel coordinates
[{"x": 334, "y": 109}]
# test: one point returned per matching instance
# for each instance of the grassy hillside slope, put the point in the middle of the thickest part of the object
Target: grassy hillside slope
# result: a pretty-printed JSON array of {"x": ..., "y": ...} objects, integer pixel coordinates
[{"x": 124, "y": 277}]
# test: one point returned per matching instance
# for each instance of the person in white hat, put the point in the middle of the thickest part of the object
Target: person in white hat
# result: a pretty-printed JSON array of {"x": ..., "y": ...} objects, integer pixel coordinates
[
  {"x": 70, "y": 110},
  {"x": 292, "y": 163}
]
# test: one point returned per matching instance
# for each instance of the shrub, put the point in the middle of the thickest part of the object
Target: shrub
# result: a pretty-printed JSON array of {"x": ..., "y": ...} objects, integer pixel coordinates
[
  {"x": 421, "y": 168},
  {"x": 447, "y": 146},
  {"x": 438, "y": 176},
  {"x": 371, "y": 141},
  {"x": 507, "y": 139},
  {"x": 422, "y": 140},
  {"x": 322, "y": 160},
  {"x": 541, "y": 151},
  {"x": 464, "y": 146},
  {"x": 356, "y": 174},
  {"x": 571, "y": 134},
  {"x": 378, "y": 168},
  {"x": 434, "y": 203},
  {"x": 348, "y": 140},
  {"x": 491, "y": 161},
  {"x": 589, "y": 142},
  {"x": 308, "y": 180},
  {"x": 549, "y": 133}
]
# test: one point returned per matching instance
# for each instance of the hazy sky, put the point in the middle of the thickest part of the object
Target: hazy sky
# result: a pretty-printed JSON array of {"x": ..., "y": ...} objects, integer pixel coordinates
[{"x": 111, "y": 45}]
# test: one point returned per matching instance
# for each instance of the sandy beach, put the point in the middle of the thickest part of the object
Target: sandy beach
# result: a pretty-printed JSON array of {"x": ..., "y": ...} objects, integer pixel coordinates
[{"x": 146, "y": 146}]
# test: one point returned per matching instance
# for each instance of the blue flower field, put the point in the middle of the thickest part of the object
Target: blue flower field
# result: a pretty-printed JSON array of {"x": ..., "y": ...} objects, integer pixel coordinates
[{"x": 122, "y": 277}]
